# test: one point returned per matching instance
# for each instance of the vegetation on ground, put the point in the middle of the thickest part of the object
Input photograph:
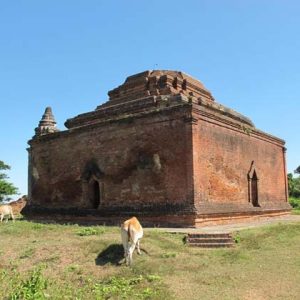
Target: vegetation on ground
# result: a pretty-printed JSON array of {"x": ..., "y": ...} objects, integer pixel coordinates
[{"x": 49, "y": 261}]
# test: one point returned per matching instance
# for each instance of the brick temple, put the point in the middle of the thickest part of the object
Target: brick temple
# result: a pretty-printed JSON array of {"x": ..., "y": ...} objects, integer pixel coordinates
[{"x": 160, "y": 148}]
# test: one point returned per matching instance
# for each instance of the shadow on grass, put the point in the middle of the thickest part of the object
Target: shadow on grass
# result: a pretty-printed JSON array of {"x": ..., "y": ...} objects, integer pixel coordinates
[{"x": 113, "y": 254}]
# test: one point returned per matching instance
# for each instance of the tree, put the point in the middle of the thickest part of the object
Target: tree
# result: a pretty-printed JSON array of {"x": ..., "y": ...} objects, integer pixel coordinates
[
  {"x": 6, "y": 188},
  {"x": 297, "y": 171},
  {"x": 291, "y": 184}
]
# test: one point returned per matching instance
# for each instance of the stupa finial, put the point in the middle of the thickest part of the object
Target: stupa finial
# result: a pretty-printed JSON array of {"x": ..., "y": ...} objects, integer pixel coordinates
[{"x": 47, "y": 124}]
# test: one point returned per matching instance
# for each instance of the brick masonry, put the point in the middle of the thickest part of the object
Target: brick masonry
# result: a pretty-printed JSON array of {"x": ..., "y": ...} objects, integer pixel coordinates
[{"x": 160, "y": 148}]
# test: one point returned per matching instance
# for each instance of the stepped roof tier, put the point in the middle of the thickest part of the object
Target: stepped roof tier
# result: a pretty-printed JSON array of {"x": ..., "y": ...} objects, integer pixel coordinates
[{"x": 153, "y": 90}]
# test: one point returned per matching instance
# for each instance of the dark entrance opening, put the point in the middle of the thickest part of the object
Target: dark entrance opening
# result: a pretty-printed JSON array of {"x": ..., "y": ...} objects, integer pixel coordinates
[
  {"x": 254, "y": 190},
  {"x": 95, "y": 194}
]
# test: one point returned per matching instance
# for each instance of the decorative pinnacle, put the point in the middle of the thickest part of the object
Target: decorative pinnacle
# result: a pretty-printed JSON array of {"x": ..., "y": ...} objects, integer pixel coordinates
[{"x": 47, "y": 124}]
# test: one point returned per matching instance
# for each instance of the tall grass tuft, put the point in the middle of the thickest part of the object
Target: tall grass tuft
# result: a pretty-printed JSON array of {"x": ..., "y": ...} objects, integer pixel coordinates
[{"x": 31, "y": 288}]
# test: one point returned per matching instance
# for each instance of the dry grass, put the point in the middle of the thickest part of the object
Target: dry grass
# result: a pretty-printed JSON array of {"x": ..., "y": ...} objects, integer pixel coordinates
[{"x": 84, "y": 263}]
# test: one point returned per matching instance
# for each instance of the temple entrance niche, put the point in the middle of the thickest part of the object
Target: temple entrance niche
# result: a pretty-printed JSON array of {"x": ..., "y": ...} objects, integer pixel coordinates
[
  {"x": 253, "y": 186},
  {"x": 94, "y": 192},
  {"x": 92, "y": 186}
]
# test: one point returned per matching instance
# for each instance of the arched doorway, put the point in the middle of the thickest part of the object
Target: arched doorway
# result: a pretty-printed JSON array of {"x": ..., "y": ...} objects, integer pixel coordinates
[
  {"x": 94, "y": 193},
  {"x": 92, "y": 185},
  {"x": 254, "y": 190},
  {"x": 253, "y": 186}
]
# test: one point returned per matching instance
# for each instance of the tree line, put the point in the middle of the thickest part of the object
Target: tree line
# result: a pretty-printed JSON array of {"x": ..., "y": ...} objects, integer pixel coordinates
[
  {"x": 6, "y": 188},
  {"x": 294, "y": 184}
]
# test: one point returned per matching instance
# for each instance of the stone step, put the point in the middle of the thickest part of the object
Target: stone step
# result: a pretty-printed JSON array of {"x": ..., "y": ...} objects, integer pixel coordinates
[
  {"x": 209, "y": 235},
  {"x": 211, "y": 245},
  {"x": 209, "y": 240}
]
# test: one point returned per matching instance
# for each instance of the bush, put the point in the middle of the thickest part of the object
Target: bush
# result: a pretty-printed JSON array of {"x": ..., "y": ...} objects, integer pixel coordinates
[
  {"x": 294, "y": 186},
  {"x": 295, "y": 202}
]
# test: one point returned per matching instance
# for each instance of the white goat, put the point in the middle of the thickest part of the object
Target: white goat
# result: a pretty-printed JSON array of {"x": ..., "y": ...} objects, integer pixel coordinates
[
  {"x": 131, "y": 233},
  {"x": 5, "y": 210}
]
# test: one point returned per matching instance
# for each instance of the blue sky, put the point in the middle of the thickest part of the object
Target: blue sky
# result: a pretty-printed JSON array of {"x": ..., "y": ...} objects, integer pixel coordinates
[{"x": 68, "y": 54}]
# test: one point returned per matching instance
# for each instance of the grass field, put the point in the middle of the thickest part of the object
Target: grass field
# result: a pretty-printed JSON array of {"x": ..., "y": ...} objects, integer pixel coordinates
[{"x": 70, "y": 262}]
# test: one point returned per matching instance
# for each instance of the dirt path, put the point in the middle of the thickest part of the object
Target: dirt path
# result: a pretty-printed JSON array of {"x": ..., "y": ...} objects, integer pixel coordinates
[{"x": 237, "y": 226}]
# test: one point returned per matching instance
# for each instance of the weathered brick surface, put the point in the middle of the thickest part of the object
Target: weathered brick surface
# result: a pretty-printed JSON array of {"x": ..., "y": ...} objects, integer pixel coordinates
[
  {"x": 223, "y": 158},
  {"x": 124, "y": 153},
  {"x": 160, "y": 148}
]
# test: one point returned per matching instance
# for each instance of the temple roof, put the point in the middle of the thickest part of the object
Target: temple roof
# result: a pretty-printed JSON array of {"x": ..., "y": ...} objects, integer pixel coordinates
[
  {"x": 154, "y": 83},
  {"x": 155, "y": 90},
  {"x": 149, "y": 93}
]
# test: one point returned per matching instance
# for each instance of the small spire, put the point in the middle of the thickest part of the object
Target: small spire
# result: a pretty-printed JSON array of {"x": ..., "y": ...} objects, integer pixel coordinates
[{"x": 47, "y": 124}]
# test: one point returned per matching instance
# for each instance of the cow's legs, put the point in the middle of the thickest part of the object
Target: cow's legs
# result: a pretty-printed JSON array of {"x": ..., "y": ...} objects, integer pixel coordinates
[
  {"x": 12, "y": 216},
  {"x": 138, "y": 247},
  {"x": 124, "y": 236},
  {"x": 130, "y": 251}
]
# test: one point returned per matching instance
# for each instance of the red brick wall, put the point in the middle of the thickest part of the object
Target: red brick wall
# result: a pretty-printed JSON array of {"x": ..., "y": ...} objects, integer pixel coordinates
[
  {"x": 124, "y": 152},
  {"x": 203, "y": 160},
  {"x": 222, "y": 160}
]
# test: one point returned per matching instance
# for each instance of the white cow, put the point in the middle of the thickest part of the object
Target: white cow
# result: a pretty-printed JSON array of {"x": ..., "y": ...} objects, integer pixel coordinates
[
  {"x": 5, "y": 210},
  {"x": 131, "y": 233}
]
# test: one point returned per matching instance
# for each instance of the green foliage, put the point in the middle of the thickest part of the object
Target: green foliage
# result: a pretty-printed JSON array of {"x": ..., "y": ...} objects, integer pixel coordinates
[
  {"x": 38, "y": 226},
  {"x": 31, "y": 288},
  {"x": 168, "y": 255},
  {"x": 90, "y": 231},
  {"x": 6, "y": 188},
  {"x": 126, "y": 288},
  {"x": 295, "y": 202},
  {"x": 4, "y": 166},
  {"x": 297, "y": 171},
  {"x": 294, "y": 186},
  {"x": 237, "y": 238}
]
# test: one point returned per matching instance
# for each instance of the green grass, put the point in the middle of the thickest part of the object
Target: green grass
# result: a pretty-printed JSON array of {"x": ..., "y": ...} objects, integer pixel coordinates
[
  {"x": 90, "y": 231},
  {"x": 39, "y": 261}
]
